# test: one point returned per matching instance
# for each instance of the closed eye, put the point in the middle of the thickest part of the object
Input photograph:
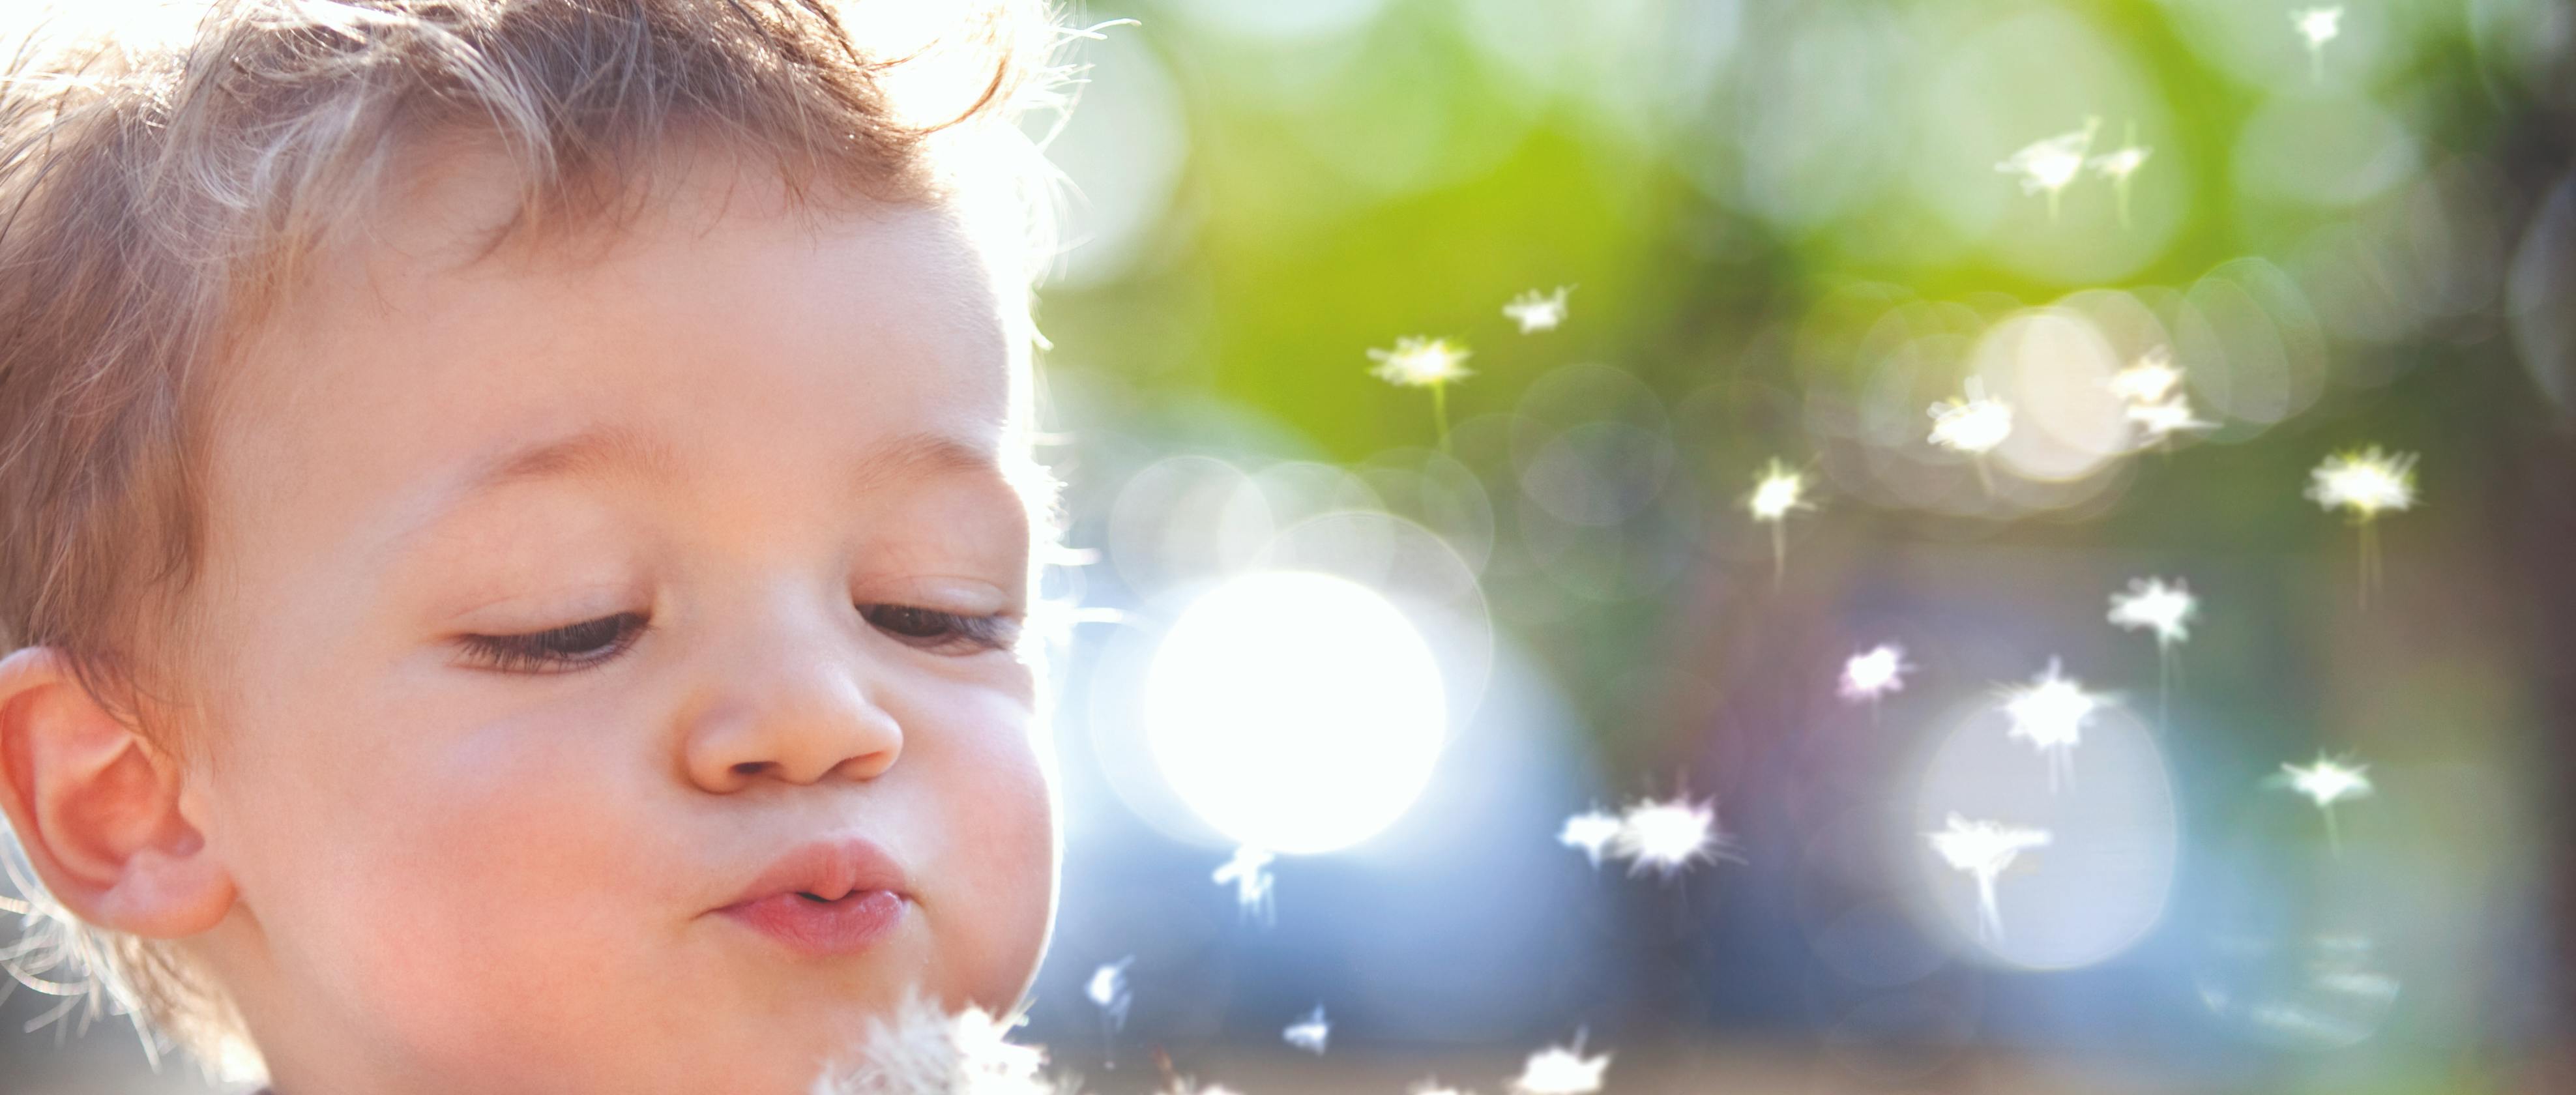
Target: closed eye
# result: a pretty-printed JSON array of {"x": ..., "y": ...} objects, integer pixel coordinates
[
  {"x": 555, "y": 650},
  {"x": 942, "y": 632}
]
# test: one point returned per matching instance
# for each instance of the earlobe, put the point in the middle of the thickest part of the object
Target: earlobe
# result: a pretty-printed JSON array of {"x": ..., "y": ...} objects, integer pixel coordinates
[{"x": 96, "y": 808}]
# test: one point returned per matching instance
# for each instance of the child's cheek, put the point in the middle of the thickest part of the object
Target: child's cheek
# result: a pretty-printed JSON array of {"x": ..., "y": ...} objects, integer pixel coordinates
[
  {"x": 504, "y": 860},
  {"x": 999, "y": 841}
]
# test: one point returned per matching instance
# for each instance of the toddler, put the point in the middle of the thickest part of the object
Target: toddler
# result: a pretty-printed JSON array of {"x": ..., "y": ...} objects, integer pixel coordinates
[{"x": 517, "y": 527}]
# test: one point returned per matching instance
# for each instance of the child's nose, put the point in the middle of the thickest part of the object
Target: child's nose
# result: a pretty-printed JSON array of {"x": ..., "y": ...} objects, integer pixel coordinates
[{"x": 796, "y": 706}]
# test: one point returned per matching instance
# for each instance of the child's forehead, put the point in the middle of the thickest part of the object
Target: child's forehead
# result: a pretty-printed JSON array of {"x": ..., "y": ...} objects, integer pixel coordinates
[
  {"x": 721, "y": 312},
  {"x": 463, "y": 204}
]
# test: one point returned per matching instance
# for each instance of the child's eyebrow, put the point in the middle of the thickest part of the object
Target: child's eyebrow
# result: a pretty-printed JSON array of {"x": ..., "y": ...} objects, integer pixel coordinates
[{"x": 619, "y": 451}]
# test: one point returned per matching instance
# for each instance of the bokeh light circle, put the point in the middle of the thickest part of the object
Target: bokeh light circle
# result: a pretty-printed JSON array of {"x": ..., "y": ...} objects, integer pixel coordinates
[
  {"x": 2105, "y": 878},
  {"x": 1295, "y": 711}
]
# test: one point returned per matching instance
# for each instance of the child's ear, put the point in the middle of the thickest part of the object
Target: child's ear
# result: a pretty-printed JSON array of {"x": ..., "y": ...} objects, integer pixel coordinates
[{"x": 96, "y": 808}]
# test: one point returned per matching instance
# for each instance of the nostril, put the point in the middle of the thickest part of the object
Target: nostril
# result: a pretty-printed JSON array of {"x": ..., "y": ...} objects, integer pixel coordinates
[{"x": 751, "y": 768}]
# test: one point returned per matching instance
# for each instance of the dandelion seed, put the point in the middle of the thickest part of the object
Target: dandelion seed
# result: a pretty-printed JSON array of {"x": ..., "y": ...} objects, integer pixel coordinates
[
  {"x": 2152, "y": 604},
  {"x": 2051, "y": 713},
  {"x": 2160, "y": 421},
  {"x": 2365, "y": 485},
  {"x": 1984, "y": 850},
  {"x": 1974, "y": 423},
  {"x": 1873, "y": 673},
  {"x": 1108, "y": 990},
  {"x": 1432, "y": 363},
  {"x": 2152, "y": 388},
  {"x": 1670, "y": 836},
  {"x": 2149, "y": 379},
  {"x": 919, "y": 1046},
  {"x": 2318, "y": 26},
  {"x": 1309, "y": 1033},
  {"x": 1249, "y": 872},
  {"x": 2118, "y": 165},
  {"x": 1591, "y": 831},
  {"x": 2165, "y": 609},
  {"x": 2049, "y": 165},
  {"x": 1775, "y": 495},
  {"x": 1561, "y": 1070},
  {"x": 1537, "y": 311},
  {"x": 2325, "y": 783}
]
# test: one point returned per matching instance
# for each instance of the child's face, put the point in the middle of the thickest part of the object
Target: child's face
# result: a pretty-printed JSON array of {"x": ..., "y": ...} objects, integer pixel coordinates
[{"x": 461, "y": 871}]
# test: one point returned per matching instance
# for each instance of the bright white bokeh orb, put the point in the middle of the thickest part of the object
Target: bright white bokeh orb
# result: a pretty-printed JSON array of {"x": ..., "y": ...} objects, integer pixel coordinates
[
  {"x": 1295, "y": 711},
  {"x": 2105, "y": 878}
]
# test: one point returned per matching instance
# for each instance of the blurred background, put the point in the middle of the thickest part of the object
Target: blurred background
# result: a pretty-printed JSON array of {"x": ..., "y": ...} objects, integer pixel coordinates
[{"x": 1391, "y": 637}]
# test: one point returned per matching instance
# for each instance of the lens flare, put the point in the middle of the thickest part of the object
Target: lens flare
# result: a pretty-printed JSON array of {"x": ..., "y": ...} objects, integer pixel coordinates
[{"x": 1296, "y": 712}]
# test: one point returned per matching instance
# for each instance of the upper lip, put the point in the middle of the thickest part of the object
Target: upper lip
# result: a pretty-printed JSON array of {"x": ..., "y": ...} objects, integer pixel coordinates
[{"x": 829, "y": 869}]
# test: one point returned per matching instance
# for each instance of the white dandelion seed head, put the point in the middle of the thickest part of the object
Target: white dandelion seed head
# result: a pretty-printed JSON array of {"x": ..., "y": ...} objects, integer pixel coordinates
[
  {"x": 2049, "y": 165},
  {"x": 2364, "y": 484},
  {"x": 2328, "y": 781},
  {"x": 1561, "y": 1070},
  {"x": 1309, "y": 1033},
  {"x": 2162, "y": 420},
  {"x": 2318, "y": 25},
  {"x": 1777, "y": 492},
  {"x": 2120, "y": 163},
  {"x": 1669, "y": 836},
  {"x": 2052, "y": 711},
  {"x": 1983, "y": 848},
  {"x": 1974, "y": 423},
  {"x": 2152, "y": 604},
  {"x": 1418, "y": 362},
  {"x": 2148, "y": 379},
  {"x": 920, "y": 1047},
  {"x": 1875, "y": 672},
  {"x": 1592, "y": 831},
  {"x": 1537, "y": 311}
]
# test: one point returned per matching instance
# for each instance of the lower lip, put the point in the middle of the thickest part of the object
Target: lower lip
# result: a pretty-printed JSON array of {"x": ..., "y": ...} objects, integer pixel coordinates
[{"x": 824, "y": 928}]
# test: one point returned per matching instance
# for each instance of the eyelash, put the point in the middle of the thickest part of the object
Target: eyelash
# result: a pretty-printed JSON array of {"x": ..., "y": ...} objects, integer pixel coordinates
[{"x": 590, "y": 642}]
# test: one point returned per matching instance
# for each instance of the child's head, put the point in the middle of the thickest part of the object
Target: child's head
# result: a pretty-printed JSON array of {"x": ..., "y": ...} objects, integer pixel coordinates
[{"x": 502, "y": 501}]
